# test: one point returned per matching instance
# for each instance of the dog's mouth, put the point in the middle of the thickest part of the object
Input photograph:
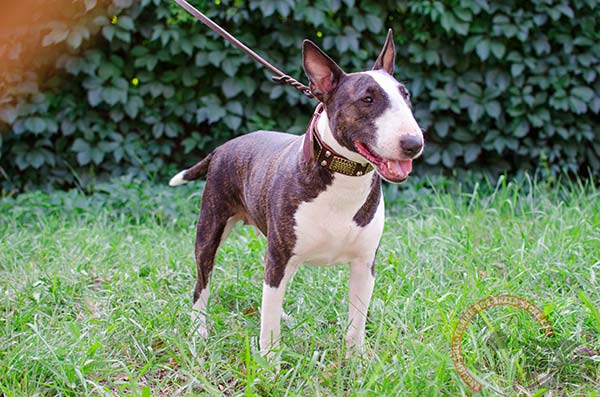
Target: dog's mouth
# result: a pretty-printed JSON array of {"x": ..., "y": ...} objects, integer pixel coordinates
[{"x": 395, "y": 171}]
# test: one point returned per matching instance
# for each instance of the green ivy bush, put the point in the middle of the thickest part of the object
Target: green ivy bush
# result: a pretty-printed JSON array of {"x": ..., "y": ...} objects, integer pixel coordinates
[{"x": 497, "y": 86}]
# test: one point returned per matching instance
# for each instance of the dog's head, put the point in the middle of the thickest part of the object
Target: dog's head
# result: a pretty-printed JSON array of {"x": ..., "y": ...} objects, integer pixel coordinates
[{"x": 369, "y": 112}]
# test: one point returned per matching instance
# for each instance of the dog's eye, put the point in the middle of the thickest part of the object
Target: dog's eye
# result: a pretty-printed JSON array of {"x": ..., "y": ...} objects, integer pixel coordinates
[
  {"x": 367, "y": 99},
  {"x": 404, "y": 92}
]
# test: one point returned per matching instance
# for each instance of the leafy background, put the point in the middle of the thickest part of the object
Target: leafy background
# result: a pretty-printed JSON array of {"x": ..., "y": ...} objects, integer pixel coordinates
[{"x": 106, "y": 88}]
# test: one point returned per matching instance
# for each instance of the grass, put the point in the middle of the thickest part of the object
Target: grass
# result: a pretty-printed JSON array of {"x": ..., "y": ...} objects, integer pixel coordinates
[{"x": 95, "y": 294}]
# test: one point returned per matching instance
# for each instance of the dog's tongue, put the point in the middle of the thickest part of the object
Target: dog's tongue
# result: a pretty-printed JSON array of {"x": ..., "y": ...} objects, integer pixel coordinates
[{"x": 400, "y": 167}]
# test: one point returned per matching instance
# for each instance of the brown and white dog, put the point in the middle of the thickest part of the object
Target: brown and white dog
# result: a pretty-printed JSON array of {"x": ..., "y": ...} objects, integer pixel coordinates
[{"x": 317, "y": 198}]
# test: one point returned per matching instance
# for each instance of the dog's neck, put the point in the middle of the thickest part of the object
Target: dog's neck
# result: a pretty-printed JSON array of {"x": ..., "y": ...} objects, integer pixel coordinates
[{"x": 326, "y": 135}]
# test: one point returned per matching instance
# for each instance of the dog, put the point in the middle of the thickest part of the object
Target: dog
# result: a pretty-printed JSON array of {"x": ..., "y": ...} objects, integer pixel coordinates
[{"x": 316, "y": 198}]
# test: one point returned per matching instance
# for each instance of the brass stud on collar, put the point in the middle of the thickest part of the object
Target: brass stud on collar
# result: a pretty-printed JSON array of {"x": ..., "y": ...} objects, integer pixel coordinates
[
  {"x": 323, "y": 163},
  {"x": 327, "y": 153}
]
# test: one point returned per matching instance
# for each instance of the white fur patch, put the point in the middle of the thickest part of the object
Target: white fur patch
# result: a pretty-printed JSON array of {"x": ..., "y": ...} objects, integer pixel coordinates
[
  {"x": 361, "y": 289},
  {"x": 396, "y": 121},
  {"x": 271, "y": 311},
  {"x": 327, "y": 137},
  {"x": 325, "y": 229},
  {"x": 178, "y": 179},
  {"x": 199, "y": 313}
]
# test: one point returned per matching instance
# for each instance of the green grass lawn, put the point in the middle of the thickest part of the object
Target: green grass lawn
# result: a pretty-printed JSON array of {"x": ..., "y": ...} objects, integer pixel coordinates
[{"x": 95, "y": 294}]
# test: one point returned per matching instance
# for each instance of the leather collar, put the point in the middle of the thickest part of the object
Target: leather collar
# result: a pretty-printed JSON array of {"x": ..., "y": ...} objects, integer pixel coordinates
[{"x": 315, "y": 148}]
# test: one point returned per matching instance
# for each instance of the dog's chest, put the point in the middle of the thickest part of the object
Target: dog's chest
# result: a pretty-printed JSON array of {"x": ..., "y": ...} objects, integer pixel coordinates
[{"x": 326, "y": 232}]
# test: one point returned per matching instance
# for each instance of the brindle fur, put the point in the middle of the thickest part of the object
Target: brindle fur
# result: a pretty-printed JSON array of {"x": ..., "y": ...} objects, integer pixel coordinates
[
  {"x": 263, "y": 177},
  {"x": 255, "y": 178}
]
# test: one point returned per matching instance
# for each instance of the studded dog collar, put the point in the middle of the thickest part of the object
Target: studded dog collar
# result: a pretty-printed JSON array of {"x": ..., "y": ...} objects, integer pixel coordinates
[{"x": 315, "y": 148}]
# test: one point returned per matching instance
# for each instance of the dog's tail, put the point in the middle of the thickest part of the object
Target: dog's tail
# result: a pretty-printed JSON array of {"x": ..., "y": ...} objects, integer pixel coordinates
[{"x": 193, "y": 173}]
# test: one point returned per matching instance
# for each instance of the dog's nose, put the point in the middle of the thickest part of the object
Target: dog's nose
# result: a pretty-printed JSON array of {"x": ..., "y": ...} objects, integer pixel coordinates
[{"x": 411, "y": 145}]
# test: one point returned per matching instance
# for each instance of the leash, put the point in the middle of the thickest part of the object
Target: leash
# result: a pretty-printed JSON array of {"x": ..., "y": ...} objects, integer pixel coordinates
[
  {"x": 313, "y": 147},
  {"x": 280, "y": 77}
]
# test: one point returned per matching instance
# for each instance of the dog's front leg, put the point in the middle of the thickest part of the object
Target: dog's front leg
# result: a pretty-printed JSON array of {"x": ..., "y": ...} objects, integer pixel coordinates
[
  {"x": 362, "y": 280},
  {"x": 276, "y": 279}
]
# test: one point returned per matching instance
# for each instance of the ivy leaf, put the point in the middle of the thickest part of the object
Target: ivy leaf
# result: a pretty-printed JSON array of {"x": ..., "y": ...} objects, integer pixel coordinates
[
  {"x": 133, "y": 106},
  {"x": 67, "y": 127},
  {"x": 186, "y": 46},
  {"x": 516, "y": 69},
  {"x": 358, "y": 22},
  {"x": 233, "y": 122},
  {"x": 577, "y": 105},
  {"x": 59, "y": 33},
  {"x": 471, "y": 43},
  {"x": 96, "y": 155},
  {"x": 471, "y": 153},
  {"x": 498, "y": 49},
  {"x": 80, "y": 145},
  {"x": 521, "y": 130},
  {"x": 584, "y": 93},
  {"x": 475, "y": 112},
  {"x": 158, "y": 129},
  {"x": 493, "y": 109},
  {"x": 215, "y": 57},
  {"x": 231, "y": 87},
  {"x": 172, "y": 129},
  {"x": 216, "y": 114},
  {"x": 267, "y": 8},
  {"x": 447, "y": 159},
  {"x": 111, "y": 95},
  {"x": 8, "y": 114},
  {"x": 36, "y": 125},
  {"x": 108, "y": 32},
  {"x": 373, "y": 23},
  {"x": 565, "y": 10},
  {"x": 94, "y": 97},
  {"x": 283, "y": 8},
  {"x": 230, "y": 66},
  {"x": 483, "y": 49},
  {"x": 90, "y": 4},
  {"x": 126, "y": 22},
  {"x": 122, "y": 3},
  {"x": 442, "y": 126},
  {"x": 235, "y": 107},
  {"x": 248, "y": 86},
  {"x": 74, "y": 40},
  {"x": 35, "y": 158}
]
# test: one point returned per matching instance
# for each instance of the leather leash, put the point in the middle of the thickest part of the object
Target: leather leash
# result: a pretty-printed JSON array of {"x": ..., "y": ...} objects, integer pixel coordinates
[
  {"x": 280, "y": 77},
  {"x": 314, "y": 148}
]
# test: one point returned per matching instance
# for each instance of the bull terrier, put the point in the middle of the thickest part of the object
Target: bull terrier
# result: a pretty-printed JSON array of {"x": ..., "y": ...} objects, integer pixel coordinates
[{"x": 316, "y": 198}]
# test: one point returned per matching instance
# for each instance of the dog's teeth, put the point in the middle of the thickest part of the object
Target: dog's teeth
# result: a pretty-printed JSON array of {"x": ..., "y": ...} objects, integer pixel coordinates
[{"x": 389, "y": 167}]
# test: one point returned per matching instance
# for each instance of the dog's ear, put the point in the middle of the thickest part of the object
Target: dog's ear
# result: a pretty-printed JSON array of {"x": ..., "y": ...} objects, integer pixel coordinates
[
  {"x": 387, "y": 57},
  {"x": 323, "y": 73}
]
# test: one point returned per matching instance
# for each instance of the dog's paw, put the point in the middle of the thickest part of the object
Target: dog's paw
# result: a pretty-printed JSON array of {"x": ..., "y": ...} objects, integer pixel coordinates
[
  {"x": 201, "y": 331},
  {"x": 355, "y": 345},
  {"x": 199, "y": 328},
  {"x": 356, "y": 351}
]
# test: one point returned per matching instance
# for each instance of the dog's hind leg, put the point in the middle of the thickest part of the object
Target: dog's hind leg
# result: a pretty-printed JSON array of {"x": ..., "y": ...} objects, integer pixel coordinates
[{"x": 214, "y": 226}]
